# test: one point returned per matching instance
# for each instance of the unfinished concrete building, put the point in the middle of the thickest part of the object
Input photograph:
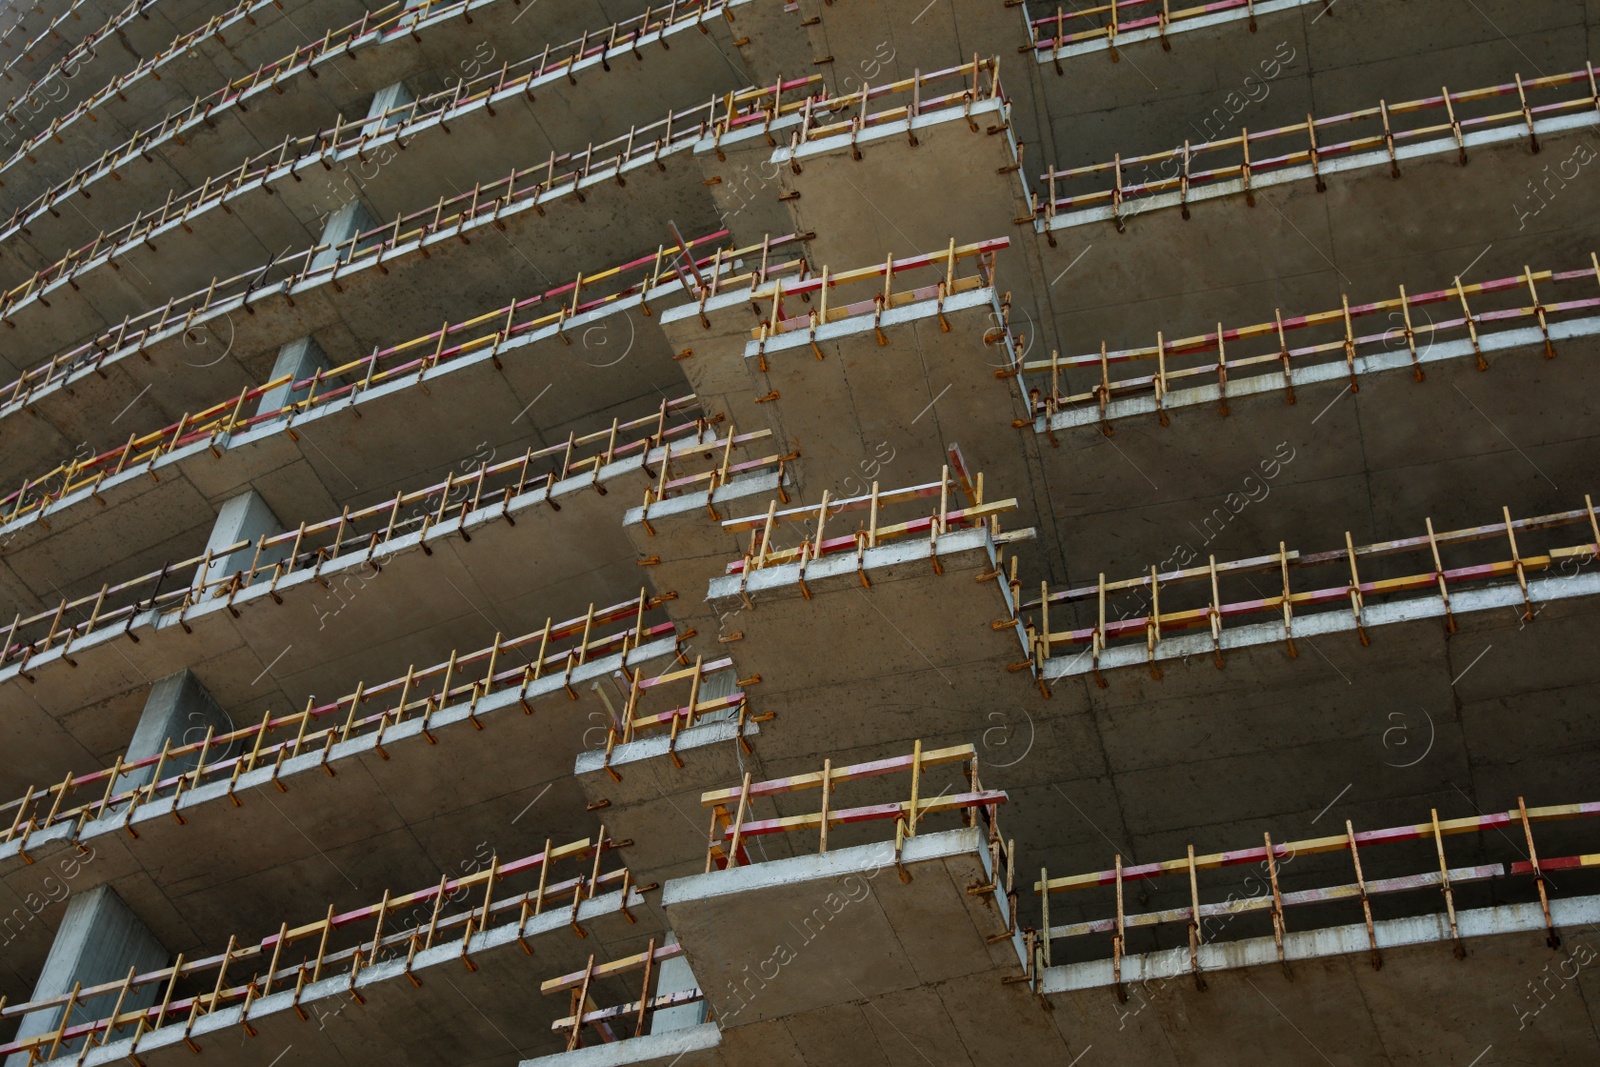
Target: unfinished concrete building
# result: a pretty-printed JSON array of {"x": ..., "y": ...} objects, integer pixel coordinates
[{"x": 735, "y": 532}]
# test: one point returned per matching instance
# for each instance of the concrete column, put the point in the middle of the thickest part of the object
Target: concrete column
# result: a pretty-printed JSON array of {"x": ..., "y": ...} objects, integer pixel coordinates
[
  {"x": 244, "y": 518},
  {"x": 178, "y": 710},
  {"x": 343, "y": 224},
  {"x": 98, "y": 940},
  {"x": 301, "y": 358},
  {"x": 673, "y": 976},
  {"x": 391, "y": 96}
]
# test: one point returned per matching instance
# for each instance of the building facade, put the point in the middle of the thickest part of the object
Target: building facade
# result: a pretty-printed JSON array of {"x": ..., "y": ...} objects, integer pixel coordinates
[{"x": 738, "y": 532}]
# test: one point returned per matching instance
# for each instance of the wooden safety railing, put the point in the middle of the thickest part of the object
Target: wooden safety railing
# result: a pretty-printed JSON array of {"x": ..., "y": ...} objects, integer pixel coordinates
[
  {"x": 731, "y": 113},
  {"x": 1514, "y": 827},
  {"x": 1194, "y": 598},
  {"x": 820, "y": 541},
  {"x": 522, "y": 189},
  {"x": 86, "y": 50},
  {"x": 117, "y": 86},
  {"x": 21, "y": 52},
  {"x": 1386, "y": 128},
  {"x": 902, "y": 100},
  {"x": 1106, "y": 21},
  {"x": 377, "y": 26},
  {"x": 344, "y": 136},
  {"x": 181, "y": 586},
  {"x": 1225, "y": 355},
  {"x": 672, "y": 483},
  {"x": 508, "y": 664},
  {"x": 674, "y": 700},
  {"x": 401, "y": 927},
  {"x": 492, "y": 332},
  {"x": 583, "y": 1011},
  {"x": 730, "y": 832},
  {"x": 779, "y": 320}
]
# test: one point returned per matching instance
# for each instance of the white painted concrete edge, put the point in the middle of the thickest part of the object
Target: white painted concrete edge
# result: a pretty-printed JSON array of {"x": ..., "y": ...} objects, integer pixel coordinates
[
  {"x": 855, "y": 325},
  {"x": 824, "y": 866},
  {"x": 758, "y": 484},
  {"x": 1439, "y": 146},
  {"x": 1332, "y": 370},
  {"x": 725, "y": 731},
  {"x": 1216, "y": 18},
  {"x": 1333, "y": 620},
  {"x": 669, "y": 1047},
  {"x": 785, "y": 578},
  {"x": 1315, "y": 944}
]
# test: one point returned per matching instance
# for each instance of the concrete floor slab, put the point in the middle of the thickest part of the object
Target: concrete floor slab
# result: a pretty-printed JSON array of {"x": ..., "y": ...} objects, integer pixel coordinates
[
  {"x": 33, "y": 37},
  {"x": 1408, "y": 1013},
  {"x": 204, "y": 51},
  {"x": 553, "y": 113},
  {"x": 1383, "y": 459},
  {"x": 853, "y": 204},
  {"x": 1280, "y": 745},
  {"x": 892, "y": 633},
  {"x": 92, "y": 46},
  {"x": 613, "y": 333},
  {"x": 916, "y": 676},
  {"x": 126, "y": 95},
  {"x": 910, "y": 672},
  {"x": 51, "y": 159},
  {"x": 1313, "y": 246},
  {"x": 1393, "y": 356},
  {"x": 972, "y": 148},
  {"x": 775, "y": 610},
  {"x": 841, "y": 913},
  {"x": 715, "y": 331},
  {"x": 451, "y": 41},
  {"x": 869, "y": 43},
  {"x": 1502, "y": 598},
  {"x": 908, "y": 399}
]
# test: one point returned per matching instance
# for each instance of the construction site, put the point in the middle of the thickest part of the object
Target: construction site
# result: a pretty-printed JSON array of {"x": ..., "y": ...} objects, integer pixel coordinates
[{"x": 723, "y": 533}]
